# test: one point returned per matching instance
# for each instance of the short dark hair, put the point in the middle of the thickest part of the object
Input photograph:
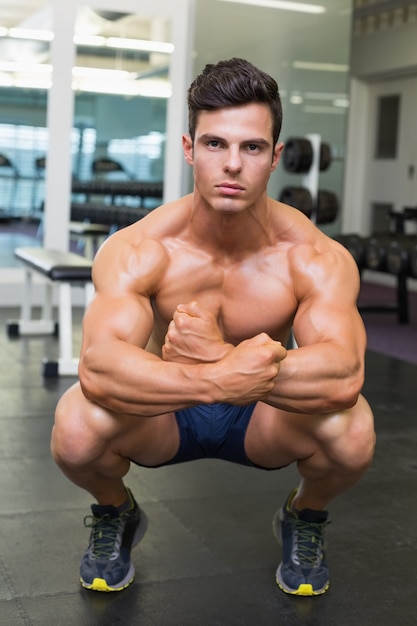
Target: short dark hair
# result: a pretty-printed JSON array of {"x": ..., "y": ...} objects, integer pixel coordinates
[{"x": 232, "y": 83}]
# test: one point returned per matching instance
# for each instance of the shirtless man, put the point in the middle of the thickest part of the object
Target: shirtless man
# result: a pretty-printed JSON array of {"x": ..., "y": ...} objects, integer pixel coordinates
[{"x": 183, "y": 344}]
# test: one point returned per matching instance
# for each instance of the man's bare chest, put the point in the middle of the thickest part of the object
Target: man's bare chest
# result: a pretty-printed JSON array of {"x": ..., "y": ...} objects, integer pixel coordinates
[{"x": 247, "y": 298}]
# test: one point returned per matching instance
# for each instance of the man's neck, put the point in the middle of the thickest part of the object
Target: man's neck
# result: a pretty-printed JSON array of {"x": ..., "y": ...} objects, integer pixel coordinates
[{"x": 232, "y": 232}]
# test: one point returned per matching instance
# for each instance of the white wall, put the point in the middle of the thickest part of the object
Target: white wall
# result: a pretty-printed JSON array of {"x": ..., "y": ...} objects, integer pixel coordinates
[{"x": 386, "y": 53}]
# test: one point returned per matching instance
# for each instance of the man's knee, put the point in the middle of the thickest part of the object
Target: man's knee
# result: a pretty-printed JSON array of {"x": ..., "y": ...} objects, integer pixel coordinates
[
  {"x": 71, "y": 435},
  {"x": 350, "y": 441}
]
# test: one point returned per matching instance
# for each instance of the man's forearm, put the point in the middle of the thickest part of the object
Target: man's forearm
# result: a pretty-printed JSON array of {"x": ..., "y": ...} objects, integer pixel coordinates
[
  {"x": 136, "y": 382},
  {"x": 317, "y": 379}
]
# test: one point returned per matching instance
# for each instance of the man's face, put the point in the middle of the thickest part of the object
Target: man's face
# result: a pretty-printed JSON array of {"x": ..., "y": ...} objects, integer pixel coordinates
[{"x": 232, "y": 156}]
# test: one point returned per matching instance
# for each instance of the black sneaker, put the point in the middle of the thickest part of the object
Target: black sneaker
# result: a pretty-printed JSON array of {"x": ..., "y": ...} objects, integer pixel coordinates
[
  {"x": 106, "y": 565},
  {"x": 303, "y": 570}
]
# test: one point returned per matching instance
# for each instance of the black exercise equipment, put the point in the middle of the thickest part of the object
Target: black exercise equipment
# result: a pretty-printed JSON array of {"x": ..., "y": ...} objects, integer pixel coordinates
[
  {"x": 105, "y": 165},
  {"x": 327, "y": 207},
  {"x": 401, "y": 256},
  {"x": 324, "y": 211},
  {"x": 355, "y": 244},
  {"x": 113, "y": 215},
  {"x": 6, "y": 212},
  {"x": 118, "y": 188},
  {"x": 376, "y": 249},
  {"x": 298, "y": 155},
  {"x": 325, "y": 157},
  {"x": 299, "y": 198},
  {"x": 386, "y": 253}
]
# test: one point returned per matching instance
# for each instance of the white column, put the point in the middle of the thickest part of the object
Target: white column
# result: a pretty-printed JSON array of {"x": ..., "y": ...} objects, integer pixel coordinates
[
  {"x": 60, "y": 113},
  {"x": 355, "y": 216},
  {"x": 176, "y": 171}
]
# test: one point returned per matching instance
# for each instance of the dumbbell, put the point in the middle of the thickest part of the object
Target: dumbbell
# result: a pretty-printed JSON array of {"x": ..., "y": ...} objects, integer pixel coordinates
[
  {"x": 327, "y": 205},
  {"x": 402, "y": 256},
  {"x": 299, "y": 198},
  {"x": 376, "y": 249},
  {"x": 298, "y": 155},
  {"x": 355, "y": 244}
]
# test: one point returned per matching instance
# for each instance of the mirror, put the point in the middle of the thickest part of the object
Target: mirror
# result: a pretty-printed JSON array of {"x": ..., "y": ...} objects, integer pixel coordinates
[
  {"x": 121, "y": 87},
  {"x": 308, "y": 55}
]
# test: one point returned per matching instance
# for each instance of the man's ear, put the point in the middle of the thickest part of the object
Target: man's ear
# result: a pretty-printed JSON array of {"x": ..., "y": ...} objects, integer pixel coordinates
[
  {"x": 187, "y": 146},
  {"x": 279, "y": 147}
]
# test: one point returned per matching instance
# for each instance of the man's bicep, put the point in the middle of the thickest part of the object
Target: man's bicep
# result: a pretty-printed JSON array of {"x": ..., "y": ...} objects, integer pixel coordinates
[
  {"x": 125, "y": 317},
  {"x": 322, "y": 322},
  {"x": 124, "y": 276},
  {"x": 328, "y": 311}
]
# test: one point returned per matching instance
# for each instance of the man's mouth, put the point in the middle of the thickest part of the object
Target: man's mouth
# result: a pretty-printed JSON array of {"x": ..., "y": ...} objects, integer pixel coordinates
[{"x": 230, "y": 188}]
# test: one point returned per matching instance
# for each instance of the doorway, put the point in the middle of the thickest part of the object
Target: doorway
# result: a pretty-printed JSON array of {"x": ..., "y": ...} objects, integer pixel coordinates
[{"x": 391, "y": 162}]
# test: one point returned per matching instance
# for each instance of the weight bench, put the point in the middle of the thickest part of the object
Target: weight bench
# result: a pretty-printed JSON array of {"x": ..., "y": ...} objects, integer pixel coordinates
[
  {"x": 92, "y": 235},
  {"x": 64, "y": 270}
]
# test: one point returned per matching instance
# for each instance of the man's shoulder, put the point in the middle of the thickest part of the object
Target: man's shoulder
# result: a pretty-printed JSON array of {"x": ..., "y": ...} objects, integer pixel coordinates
[
  {"x": 161, "y": 223},
  {"x": 164, "y": 221}
]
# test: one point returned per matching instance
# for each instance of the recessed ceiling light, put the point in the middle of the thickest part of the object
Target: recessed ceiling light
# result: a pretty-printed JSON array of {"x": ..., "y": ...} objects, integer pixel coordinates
[
  {"x": 311, "y": 108},
  {"x": 320, "y": 67},
  {"x": 301, "y": 7}
]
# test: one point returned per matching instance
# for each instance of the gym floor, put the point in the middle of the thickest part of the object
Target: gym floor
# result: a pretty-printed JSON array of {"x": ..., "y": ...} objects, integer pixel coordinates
[{"x": 209, "y": 556}]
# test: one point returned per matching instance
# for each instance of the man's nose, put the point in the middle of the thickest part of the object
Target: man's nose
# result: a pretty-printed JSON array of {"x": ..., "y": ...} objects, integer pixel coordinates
[{"x": 233, "y": 162}]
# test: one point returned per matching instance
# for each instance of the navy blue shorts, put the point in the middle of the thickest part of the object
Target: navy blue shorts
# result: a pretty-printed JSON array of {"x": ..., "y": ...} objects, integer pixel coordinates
[{"x": 213, "y": 431}]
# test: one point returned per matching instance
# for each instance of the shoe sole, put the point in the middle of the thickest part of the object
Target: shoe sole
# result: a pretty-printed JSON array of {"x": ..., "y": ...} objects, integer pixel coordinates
[
  {"x": 304, "y": 589},
  {"x": 99, "y": 584}
]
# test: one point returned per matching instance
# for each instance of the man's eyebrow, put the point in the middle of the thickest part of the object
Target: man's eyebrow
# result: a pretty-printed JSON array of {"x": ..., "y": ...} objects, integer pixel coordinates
[
  {"x": 258, "y": 140},
  {"x": 210, "y": 137}
]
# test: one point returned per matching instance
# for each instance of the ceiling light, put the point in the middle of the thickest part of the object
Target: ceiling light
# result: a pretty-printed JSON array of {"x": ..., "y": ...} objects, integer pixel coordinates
[
  {"x": 145, "y": 88},
  {"x": 32, "y": 82},
  {"x": 96, "y": 41},
  {"x": 321, "y": 67},
  {"x": 311, "y": 108},
  {"x": 300, "y": 7},
  {"x": 89, "y": 79},
  {"x": 323, "y": 95},
  {"x": 30, "y": 33},
  {"x": 28, "y": 68},
  {"x": 5, "y": 80},
  {"x": 139, "y": 44},
  {"x": 341, "y": 102},
  {"x": 99, "y": 73}
]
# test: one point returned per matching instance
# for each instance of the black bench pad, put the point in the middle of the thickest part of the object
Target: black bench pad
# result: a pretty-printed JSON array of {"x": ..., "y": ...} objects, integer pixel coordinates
[{"x": 55, "y": 264}]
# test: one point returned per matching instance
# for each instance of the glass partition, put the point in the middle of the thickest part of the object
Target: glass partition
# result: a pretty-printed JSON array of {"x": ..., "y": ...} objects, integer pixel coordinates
[{"x": 121, "y": 87}]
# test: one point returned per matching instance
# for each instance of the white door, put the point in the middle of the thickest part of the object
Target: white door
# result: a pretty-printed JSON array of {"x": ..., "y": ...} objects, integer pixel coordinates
[{"x": 391, "y": 165}]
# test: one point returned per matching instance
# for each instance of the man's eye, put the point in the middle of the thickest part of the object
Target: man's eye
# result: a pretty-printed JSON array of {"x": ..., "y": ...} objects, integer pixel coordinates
[
  {"x": 213, "y": 143},
  {"x": 252, "y": 147}
]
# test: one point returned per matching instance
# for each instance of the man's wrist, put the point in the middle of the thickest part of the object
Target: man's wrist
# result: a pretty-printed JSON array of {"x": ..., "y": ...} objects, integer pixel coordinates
[{"x": 226, "y": 348}]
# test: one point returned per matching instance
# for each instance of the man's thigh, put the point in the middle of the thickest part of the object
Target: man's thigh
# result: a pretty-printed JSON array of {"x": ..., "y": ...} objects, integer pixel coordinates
[
  {"x": 144, "y": 440},
  {"x": 271, "y": 439},
  {"x": 276, "y": 437}
]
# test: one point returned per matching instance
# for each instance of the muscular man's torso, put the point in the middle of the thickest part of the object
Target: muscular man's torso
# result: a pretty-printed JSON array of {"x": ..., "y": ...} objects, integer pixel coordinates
[{"x": 250, "y": 290}]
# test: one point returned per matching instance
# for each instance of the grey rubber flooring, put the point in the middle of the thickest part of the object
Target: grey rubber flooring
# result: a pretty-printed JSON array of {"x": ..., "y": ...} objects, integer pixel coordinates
[{"x": 209, "y": 556}]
